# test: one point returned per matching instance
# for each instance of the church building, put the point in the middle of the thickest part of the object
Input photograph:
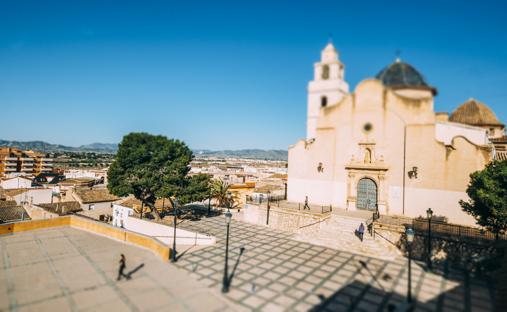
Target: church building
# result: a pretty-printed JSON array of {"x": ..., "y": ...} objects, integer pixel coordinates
[{"x": 384, "y": 147}]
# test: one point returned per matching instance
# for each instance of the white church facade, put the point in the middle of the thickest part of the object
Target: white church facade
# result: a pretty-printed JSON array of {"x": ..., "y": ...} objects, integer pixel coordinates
[{"x": 384, "y": 147}]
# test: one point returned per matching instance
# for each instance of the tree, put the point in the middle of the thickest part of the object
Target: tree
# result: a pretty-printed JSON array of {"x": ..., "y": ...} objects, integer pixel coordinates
[
  {"x": 220, "y": 191},
  {"x": 150, "y": 166},
  {"x": 488, "y": 197},
  {"x": 198, "y": 188}
]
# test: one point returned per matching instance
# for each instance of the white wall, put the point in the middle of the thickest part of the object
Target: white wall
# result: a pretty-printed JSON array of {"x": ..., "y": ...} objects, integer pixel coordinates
[
  {"x": 165, "y": 233},
  {"x": 319, "y": 192},
  {"x": 443, "y": 203},
  {"x": 446, "y": 132},
  {"x": 35, "y": 196},
  {"x": 16, "y": 183}
]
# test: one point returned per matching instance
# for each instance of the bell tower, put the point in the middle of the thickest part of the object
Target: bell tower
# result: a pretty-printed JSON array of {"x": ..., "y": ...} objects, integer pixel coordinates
[{"x": 327, "y": 87}]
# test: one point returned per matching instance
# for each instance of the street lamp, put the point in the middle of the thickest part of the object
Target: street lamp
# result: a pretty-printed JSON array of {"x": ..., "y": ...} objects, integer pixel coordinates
[
  {"x": 410, "y": 238},
  {"x": 429, "y": 214},
  {"x": 209, "y": 202},
  {"x": 173, "y": 253},
  {"x": 267, "y": 210},
  {"x": 225, "y": 283},
  {"x": 229, "y": 200}
]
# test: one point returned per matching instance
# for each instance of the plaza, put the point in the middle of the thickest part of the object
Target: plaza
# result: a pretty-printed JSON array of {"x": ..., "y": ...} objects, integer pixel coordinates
[
  {"x": 278, "y": 273},
  {"x": 67, "y": 269}
]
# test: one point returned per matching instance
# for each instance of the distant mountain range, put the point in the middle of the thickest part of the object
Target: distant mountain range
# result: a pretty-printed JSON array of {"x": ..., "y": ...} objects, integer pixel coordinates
[
  {"x": 42, "y": 146},
  {"x": 111, "y": 148},
  {"x": 245, "y": 153}
]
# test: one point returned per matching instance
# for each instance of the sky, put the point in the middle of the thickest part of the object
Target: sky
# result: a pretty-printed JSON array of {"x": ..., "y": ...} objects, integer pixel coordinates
[{"x": 226, "y": 74}]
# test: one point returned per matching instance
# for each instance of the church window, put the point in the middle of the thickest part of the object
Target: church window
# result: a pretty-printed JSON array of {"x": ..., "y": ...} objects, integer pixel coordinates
[
  {"x": 323, "y": 101},
  {"x": 367, "y": 156},
  {"x": 367, "y": 127},
  {"x": 325, "y": 72}
]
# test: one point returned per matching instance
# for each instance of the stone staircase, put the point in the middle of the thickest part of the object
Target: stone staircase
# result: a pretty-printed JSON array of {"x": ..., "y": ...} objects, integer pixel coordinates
[{"x": 338, "y": 232}]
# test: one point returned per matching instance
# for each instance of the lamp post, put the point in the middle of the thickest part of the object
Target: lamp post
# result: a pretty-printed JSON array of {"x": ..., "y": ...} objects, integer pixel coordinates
[
  {"x": 173, "y": 253},
  {"x": 229, "y": 200},
  {"x": 209, "y": 202},
  {"x": 410, "y": 238},
  {"x": 225, "y": 283},
  {"x": 429, "y": 214},
  {"x": 267, "y": 210}
]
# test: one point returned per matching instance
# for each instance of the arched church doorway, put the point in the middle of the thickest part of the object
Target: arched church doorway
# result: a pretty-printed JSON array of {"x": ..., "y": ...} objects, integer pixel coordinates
[{"x": 366, "y": 194}]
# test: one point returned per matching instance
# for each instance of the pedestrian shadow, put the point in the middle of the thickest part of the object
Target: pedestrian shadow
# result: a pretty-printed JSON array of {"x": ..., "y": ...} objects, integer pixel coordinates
[{"x": 137, "y": 268}]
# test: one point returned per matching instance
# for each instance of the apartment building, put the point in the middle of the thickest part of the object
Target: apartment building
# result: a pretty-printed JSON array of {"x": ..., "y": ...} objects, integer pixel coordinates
[{"x": 13, "y": 160}]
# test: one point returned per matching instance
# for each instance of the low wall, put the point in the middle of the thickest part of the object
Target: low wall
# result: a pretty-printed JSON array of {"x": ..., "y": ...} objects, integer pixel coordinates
[
  {"x": 95, "y": 227},
  {"x": 286, "y": 220},
  {"x": 165, "y": 233}
]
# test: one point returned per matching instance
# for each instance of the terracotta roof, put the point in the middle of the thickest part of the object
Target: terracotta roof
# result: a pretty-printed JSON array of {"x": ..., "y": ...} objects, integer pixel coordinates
[
  {"x": 474, "y": 113},
  {"x": 135, "y": 204},
  {"x": 278, "y": 176},
  {"x": 7, "y": 203},
  {"x": 77, "y": 181},
  {"x": 266, "y": 188},
  {"x": 502, "y": 139},
  {"x": 501, "y": 155},
  {"x": 14, "y": 192},
  {"x": 94, "y": 195},
  {"x": 63, "y": 208},
  {"x": 13, "y": 213}
]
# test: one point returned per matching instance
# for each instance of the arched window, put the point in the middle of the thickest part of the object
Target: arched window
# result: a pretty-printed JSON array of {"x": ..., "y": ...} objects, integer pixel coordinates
[
  {"x": 367, "y": 156},
  {"x": 325, "y": 72},
  {"x": 323, "y": 101}
]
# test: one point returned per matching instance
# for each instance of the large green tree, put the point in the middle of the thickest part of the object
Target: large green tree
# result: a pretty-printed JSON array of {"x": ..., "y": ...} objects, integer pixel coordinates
[
  {"x": 488, "y": 197},
  {"x": 150, "y": 166}
]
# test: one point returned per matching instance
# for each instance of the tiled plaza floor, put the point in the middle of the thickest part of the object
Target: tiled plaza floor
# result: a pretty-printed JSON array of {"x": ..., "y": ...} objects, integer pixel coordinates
[
  {"x": 65, "y": 269},
  {"x": 277, "y": 273}
]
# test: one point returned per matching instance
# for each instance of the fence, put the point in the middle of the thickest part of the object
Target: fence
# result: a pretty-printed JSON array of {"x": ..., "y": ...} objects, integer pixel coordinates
[
  {"x": 281, "y": 203},
  {"x": 438, "y": 228}
]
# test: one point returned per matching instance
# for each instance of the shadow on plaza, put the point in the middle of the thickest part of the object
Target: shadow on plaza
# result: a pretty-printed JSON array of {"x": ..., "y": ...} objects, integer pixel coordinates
[
  {"x": 455, "y": 294},
  {"x": 358, "y": 296}
]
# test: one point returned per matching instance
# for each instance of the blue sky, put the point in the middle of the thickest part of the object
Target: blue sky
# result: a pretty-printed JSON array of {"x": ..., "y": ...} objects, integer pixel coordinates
[{"x": 226, "y": 74}]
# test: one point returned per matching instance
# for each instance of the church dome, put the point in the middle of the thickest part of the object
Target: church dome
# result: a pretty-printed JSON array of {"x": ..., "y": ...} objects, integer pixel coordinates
[
  {"x": 474, "y": 113},
  {"x": 400, "y": 75}
]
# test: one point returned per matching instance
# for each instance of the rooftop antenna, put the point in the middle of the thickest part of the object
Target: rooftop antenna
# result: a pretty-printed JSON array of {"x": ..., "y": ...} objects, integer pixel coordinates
[{"x": 398, "y": 53}]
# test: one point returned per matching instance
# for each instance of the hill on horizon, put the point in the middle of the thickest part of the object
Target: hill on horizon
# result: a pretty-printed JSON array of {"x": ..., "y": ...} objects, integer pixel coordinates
[{"x": 111, "y": 148}]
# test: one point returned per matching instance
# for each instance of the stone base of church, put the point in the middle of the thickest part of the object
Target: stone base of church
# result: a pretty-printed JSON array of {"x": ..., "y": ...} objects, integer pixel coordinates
[{"x": 417, "y": 200}]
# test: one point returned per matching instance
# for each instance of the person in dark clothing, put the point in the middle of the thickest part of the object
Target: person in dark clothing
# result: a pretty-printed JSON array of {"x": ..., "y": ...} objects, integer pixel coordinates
[
  {"x": 306, "y": 204},
  {"x": 360, "y": 231},
  {"x": 122, "y": 268}
]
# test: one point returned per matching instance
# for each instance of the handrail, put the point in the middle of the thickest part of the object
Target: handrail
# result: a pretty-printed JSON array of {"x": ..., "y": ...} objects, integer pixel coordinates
[{"x": 322, "y": 220}]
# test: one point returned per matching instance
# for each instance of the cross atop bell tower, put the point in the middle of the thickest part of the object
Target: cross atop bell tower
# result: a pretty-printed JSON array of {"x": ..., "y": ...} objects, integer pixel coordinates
[{"x": 327, "y": 87}]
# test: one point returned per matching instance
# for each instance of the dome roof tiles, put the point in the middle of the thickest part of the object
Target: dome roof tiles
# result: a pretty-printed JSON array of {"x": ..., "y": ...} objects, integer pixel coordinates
[
  {"x": 400, "y": 75},
  {"x": 474, "y": 113}
]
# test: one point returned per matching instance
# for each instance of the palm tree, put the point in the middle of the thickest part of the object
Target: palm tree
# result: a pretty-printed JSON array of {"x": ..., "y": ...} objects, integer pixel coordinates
[{"x": 220, "y": 190}]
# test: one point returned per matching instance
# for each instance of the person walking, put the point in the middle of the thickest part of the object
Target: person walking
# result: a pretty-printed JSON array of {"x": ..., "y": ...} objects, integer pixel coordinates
[
  {"x": 360, "y": 231},
  {"x": 121, "y": 270},
  {"x": 306, "y": 204}
]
